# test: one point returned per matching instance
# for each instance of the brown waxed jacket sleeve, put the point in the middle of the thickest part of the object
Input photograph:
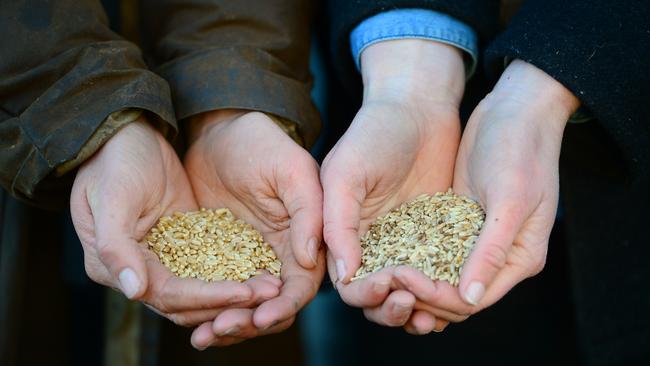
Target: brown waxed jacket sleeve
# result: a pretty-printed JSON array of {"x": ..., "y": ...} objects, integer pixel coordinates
[
  {"x": 62, "y": 73},
  {"x": 248, "y": 54}
]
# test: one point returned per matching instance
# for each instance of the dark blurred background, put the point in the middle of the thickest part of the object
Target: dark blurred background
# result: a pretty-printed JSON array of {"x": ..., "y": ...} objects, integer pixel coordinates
[{"x": 52, "y": 314}]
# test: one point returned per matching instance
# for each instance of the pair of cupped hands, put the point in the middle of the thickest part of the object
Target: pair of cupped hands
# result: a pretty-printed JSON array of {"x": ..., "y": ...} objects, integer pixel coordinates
[{"x": 404, "y": 141}]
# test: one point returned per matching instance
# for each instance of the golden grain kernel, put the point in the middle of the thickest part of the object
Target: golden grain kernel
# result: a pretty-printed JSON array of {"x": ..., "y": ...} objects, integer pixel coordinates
[{"x": 211, "y": 245}]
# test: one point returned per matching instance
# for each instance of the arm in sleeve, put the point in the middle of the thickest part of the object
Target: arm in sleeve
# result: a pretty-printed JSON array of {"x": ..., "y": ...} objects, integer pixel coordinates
[
  {"x": 63, "y": 73},
  {"x": 415, "y": 23},
  {"x": 245, "y": 54},
  {"x": 480, "y": 15},
  {"x": 599, "y": 50}
]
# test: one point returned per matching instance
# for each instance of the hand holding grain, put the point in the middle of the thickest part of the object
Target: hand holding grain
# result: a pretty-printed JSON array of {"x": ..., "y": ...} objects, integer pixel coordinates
[
  {"x": 120, "y": 193},
  {"x": 402, "y": 143},
  {"x": 508, "y": 161},
  {"x": 245, "y": 162}
]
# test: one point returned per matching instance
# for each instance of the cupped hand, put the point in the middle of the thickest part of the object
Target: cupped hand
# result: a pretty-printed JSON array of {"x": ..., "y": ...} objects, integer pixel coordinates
[
  {"x": 118, "y": 195},
  {"x": 402, "y": 143},
  {"x": 244, "y": 161},
  {"x": 508, "y": 161}
]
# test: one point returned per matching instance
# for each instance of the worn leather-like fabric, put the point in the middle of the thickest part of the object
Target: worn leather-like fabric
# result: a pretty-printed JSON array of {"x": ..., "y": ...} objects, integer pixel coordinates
[{"x": 63, "y": 71}]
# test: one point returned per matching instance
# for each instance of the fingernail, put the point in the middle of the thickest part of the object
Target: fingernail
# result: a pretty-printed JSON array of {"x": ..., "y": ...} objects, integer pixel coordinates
[
  {"x": 129, "y": 282},
  {"x": 271, "y": 325},
  {"x": 340, "y": 269},
  {"x": 198, "y": 348},
  {"x": 380, "y": 287},
  {"x": 474, "y": 292},
  {"x": 401, "y": 309},
  {"x": 440, "y": 330},
  {"x": 230, "y": 331},
  {"x": 312, "y": 249}
]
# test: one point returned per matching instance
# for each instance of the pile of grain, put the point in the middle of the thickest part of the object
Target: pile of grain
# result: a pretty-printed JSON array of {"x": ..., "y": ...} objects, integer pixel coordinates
[
  {"x": 433, "y": 234},
  {"x": 211, "y": 245}
]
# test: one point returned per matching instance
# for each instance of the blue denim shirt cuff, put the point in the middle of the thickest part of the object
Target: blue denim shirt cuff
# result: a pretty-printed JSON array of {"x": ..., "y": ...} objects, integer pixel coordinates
[{"x": 415, "y": 23}]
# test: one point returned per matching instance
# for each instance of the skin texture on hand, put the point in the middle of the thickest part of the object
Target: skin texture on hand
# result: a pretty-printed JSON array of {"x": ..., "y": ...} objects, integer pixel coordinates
[
  {"x": 402, "y": 143},
  {"x": 118, "y": 195},
  {"x": 509, "y": 161},
  {"x": 244, "y": 161}
]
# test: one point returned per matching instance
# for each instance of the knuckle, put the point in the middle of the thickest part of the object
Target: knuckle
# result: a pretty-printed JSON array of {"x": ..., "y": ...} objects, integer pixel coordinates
[
  {"x": 495, "y": 256},
  {"x": 329, "y": 232},
  {"x": 105, "y": 252}
]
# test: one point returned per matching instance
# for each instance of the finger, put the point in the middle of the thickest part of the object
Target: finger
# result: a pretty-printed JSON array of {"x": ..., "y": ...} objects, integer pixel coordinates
[
  {"x": 437, "y": 294},
  {"x": 202, "y": 336},
  {"x": 370, "y": 291},
  {"x": 440, "y": 314},
  {"x": 394, "y": 312},
  {"x": 507, "y": 278},
  {"x": 490, "y": 254},
  {"x": 341, "y": 217},
  {"x": 280, "y": 327},
  {"x": 331, "y": 268},
  {"x": 420, "y": 323},
  {"x": 228, "y": 340},
  {"x": 297, "y": 290},
  {"x": 235, "y": 323},
  {"x": 116, "y": 246},
  {"x": 268, "y": 277},
  {"x": 304, "y": 203},
  {"x": 264, "y": 287},
  {"x": 171, "y": 294},
  {"x": 440, "y": 325}
]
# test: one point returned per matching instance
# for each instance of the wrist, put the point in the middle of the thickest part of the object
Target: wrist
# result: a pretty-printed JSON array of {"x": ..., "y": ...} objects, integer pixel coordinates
[
  {"x": 202, "y": 123},
  {"x": 524, "y": 84},
  {"x": 413, "y": 70}
]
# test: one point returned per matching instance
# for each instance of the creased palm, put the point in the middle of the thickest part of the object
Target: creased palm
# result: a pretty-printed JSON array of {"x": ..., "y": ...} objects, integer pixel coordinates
[
  {"x": 508, "y": 161},
  {"x": 391, "y": 153},
  {"x": 133, "y": 180},
  {"x": 248, "y": 164}
]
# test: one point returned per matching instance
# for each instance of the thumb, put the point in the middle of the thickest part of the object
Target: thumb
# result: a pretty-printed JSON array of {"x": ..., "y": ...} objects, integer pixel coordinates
[
  {"x": 304, "y": 204},
  {"x": 341, "y": 216},
  {"x": 490, "y": 253},
  {"x": 118, "y": 249}
]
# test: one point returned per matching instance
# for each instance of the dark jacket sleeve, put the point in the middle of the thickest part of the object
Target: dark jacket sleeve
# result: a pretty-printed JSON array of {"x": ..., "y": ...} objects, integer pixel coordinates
[
  {"x": 62, "y": 72},
  {"x": 600, "y": 50},
  {"x": 248, "y": 54},
  {"x": 344, "y": 15}
]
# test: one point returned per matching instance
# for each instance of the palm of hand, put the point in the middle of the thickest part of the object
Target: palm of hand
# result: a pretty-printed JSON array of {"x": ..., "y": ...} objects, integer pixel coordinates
[
  {"x": 117, "y": 196},
  {"x": 251, "y": 166},
  {"x": 389, "y": 155},
  {"x": 508, "y": 161}
]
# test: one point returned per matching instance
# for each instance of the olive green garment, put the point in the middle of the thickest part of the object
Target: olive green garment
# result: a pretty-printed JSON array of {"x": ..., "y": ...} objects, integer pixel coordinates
[{"x": 63, "y": 72}]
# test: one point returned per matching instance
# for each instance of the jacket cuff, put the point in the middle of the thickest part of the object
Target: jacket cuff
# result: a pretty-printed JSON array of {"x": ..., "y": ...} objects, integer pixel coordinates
[
  {"x": 218, "y": 78},
  {"x": 416, "y": 23},
  {"x": 55, "y": 129}
]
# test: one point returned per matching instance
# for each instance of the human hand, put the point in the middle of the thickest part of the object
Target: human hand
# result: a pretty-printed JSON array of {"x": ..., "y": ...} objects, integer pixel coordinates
[
  {"x": 118, "y": 195},
  {"x": 402, "y": 143},
  {"x": 508, "y": 161},
  {"x": 244, "y": 161}
]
